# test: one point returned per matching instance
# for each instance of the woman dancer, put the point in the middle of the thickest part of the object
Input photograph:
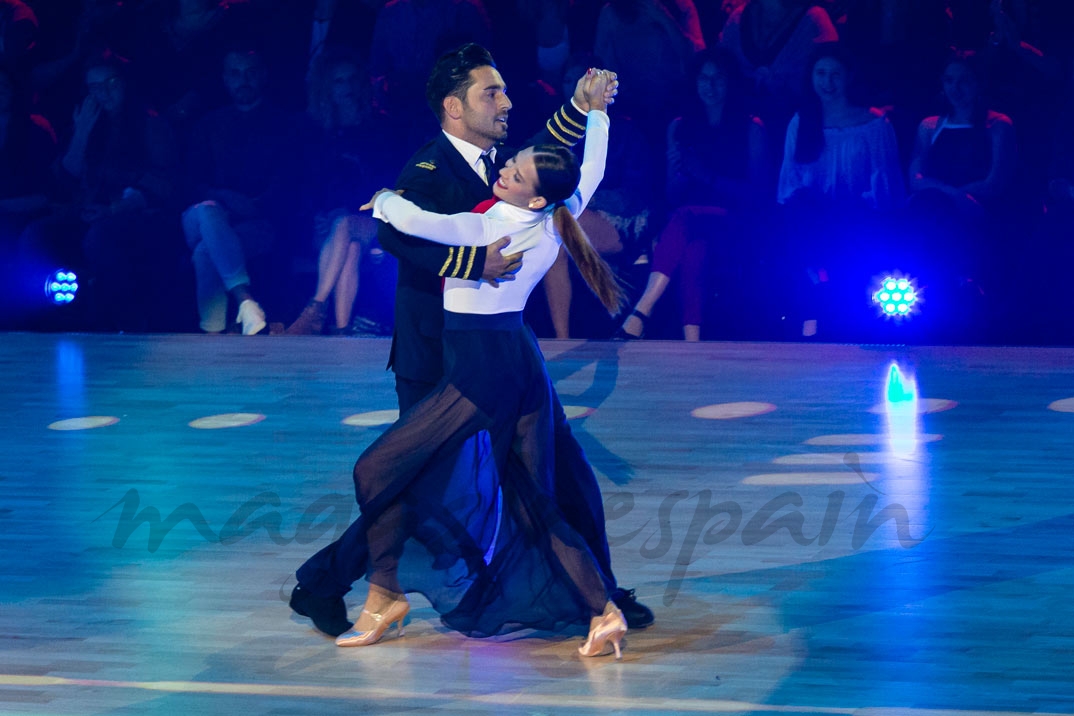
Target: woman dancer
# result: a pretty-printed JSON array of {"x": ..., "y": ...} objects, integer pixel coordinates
[{"x": 536, "y": 572}]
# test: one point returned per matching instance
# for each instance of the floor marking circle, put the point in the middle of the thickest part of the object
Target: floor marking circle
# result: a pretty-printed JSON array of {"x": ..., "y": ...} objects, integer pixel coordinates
[
  {"x": 226, "y": 420},
  {"x": 87, "y": 423},
  {"x": 371, "y": 419},
  {"x": 575, "y": 412},
  {"x": 833, "y": 458},
  {"x": 924, "y": 405},
  {"x": 1066, "y": 405},
  {"x": 865, "y": 439},
  {"x": 810, "y": 478},
  {"x": 730, "y": 411}
]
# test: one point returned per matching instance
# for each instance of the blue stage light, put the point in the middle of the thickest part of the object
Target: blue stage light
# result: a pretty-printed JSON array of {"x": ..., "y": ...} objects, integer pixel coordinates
[
  {"x": 61, "y": 287},
  {"x": 896, "y": 296}
]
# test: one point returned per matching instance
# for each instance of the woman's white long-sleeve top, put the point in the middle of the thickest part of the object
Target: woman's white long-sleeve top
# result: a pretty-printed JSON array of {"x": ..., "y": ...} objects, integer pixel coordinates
[{"x": 531, "y": 232}]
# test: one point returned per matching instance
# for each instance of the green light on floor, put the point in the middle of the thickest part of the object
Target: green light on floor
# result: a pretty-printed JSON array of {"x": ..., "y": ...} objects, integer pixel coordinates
[{"x": 900, "y": 389}]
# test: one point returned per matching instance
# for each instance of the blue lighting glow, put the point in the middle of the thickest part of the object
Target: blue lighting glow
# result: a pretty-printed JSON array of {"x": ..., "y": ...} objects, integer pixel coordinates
[
  {"x": 61, "y": 287},
  {"x": 896, "y": 297}
]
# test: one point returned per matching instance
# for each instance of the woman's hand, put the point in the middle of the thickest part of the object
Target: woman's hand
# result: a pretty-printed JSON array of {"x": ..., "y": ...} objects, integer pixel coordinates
[
  {"x": 368, "y": 206},
  {"x": 599, "y": 88},
  {"x": 86, "y": 115}
]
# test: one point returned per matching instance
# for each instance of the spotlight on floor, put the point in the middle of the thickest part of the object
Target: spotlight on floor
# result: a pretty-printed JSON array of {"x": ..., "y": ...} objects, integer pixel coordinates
[
  {"x": 897, "y": 297},
  {"x": 61, "y": 287}
]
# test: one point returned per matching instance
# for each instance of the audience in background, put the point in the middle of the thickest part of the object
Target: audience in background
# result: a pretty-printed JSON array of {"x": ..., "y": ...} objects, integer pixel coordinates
[
  {"x": 773, "y": 41},
  {"x": 840, "y": 167},
  {"x": 617, "y": 218},
  {"x": 718, "y": 170},
  {"x": 242, "y": 176},
  {"x": 353, "y": 156},
  {"x": 180, "y": 47},
  {"x": 962, "y": 173},
  {"x": 252, "y": 202},
  {"x": 27, "y": 149},
  {"x": 408, "y": 37},
  {"x": 652, "y": 43},
  {"x": 116, "y": 186},
  {"x": 838, "y": 150}
]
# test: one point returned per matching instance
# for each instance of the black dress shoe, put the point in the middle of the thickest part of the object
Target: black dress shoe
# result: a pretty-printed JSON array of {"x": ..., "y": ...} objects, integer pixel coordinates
[
  {"x": 637, "y": 615},
  {"x": 328, "y": 614},
  {"x": 622, "y": 335}
]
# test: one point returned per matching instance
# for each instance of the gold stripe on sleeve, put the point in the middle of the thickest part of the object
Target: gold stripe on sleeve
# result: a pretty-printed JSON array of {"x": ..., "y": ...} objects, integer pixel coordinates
[
  {"x": 458, "y": 263},
  {"x": 470, "y": 262},
  {"x": 567, "y": 130},
  {"x": 450, "y": 255},
  {"x": 561, "y": 113},
  {"x": 554, "y": 133}
]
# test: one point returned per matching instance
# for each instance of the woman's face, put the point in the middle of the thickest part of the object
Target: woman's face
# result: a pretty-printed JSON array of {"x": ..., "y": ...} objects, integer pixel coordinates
[
  {"x": 346, "y": 84},
  {"x": 829, "y": 78},
  {"x": 960, "y": 86},
  {"x": 105, "y": 86},
  {"x": 517, "y": 183},
  {"x": 711, "y": 84}
]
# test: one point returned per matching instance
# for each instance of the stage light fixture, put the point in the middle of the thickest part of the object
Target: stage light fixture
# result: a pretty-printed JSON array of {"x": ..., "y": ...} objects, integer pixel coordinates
[
  {"x": 61, "y": 287},
  {"x": 896, "y": 297}
]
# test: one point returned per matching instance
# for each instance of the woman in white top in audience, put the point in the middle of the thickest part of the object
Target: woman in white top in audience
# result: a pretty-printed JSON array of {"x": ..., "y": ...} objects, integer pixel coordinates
[{"x": 836, "y": 149}]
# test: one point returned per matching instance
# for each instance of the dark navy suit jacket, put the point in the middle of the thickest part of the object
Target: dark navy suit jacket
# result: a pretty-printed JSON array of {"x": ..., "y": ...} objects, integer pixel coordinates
[{"x": 438, "y": 179}]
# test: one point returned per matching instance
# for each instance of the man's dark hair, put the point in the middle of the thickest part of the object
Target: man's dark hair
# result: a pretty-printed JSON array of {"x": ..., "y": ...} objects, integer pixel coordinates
[{"x": 451, "y": 75}]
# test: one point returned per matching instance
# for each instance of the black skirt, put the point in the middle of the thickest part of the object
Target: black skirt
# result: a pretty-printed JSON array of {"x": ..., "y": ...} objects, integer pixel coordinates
[{"x": 458, "y": 496}]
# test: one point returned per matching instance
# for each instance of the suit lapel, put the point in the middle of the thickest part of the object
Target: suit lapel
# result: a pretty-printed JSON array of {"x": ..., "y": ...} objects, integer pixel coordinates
[{"x": 460, "y": 168}]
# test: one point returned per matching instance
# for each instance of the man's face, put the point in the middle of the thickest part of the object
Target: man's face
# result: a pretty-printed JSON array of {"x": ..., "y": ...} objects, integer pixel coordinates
[
  {"x": 244, "y": 77},
  {"x": 106, "y": 87},
  {"x": 346, "y": 85},
  {"x": 485, "y": 108}
]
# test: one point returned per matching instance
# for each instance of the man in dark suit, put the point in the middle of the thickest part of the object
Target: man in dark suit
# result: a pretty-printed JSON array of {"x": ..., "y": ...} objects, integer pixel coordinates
[{"x": 451, "y": 174}]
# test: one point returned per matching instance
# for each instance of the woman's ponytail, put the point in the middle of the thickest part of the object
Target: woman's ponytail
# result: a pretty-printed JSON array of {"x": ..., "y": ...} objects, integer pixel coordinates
[
  {"x": 597, "y": 273},
  {"x": 558, "y": 175}
]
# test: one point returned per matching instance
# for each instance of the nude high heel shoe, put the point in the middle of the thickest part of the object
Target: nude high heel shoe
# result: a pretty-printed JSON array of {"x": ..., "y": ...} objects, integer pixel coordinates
[
  {"x": 604, "y": 630},
  {"x": 396, "y": 611}
]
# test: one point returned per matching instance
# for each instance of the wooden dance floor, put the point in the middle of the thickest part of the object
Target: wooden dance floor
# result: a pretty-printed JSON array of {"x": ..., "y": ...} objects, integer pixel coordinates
[{"x": 820, "y": 529}]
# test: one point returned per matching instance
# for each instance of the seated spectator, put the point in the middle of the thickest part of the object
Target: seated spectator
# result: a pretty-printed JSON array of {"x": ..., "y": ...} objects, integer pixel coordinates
[
  {"x": 1058, "y": 220},
  {"x": 531, "y": 38},
  {"x": 240, "y": 165},
  {"x": 118, "y": 175},
  {"x": 408, "y": 37},
  {"x": 901, "y": 46},
  {"x": 1023, "y": 83},
  {"x": 18, "y": 32},
  {"x": 1061, "y": 174},
  {"x": 72, "y": 33},
  {"x": 962, "y": 169},
  {"x": 836, "y": 149},
  {"x": 718, "y": 170},
  {"x": 652, "y": 43},
  {"x": 617, "y": 216},
  {"x": 180, "y": 45},
  {"x": 773, "y": 41},
  {"x": 840, "y": 172},
  {"x": 27, "y": 150},
  {"x": 353, "y": 158},
  {"x": 294, "y": 33}
]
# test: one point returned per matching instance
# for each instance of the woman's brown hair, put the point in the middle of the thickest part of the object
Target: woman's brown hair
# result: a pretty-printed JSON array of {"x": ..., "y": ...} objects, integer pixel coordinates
[{"x": 558, "y": 175}]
